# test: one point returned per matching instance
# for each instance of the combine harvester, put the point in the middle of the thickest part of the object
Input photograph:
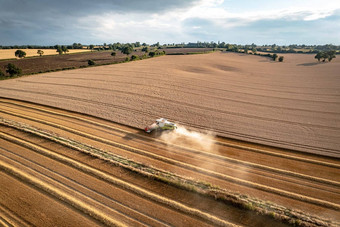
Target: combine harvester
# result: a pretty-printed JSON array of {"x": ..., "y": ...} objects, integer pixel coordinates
[{"x": 161, "y": 124}]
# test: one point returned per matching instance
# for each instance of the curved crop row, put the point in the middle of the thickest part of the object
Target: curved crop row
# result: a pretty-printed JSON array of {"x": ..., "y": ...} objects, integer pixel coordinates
[
  {"x": 316, "y": 150},
  {"x": 215, "y": 156},
  {"x": 258, "y": 150},
  {"x": 199, "y": 169}
]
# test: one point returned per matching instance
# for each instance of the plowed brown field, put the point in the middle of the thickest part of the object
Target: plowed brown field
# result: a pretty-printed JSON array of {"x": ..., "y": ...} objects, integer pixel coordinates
[
  {"x": 294, "y": 104},
  {"x": 44, "y": 179}
]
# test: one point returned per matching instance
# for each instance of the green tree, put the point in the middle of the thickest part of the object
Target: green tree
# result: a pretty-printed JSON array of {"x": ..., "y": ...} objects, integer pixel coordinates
[
  {"x": 91, "y": 62},
  {"x": 91, "y": 46},
  {"x": 318, "y": 56},
  {"x": 2, "y": 74},
  {"x": 77, "y": 46},
  {"x": 134, "y": 57},
  {"x": 12, "y": 70},
  {"x": 127, "y": 49},
  {"x": 113, "y": 54},
  {"x": 331, "y": 54},
  {"x": 246, "y": 50},
  {"x": 324, "y": 55},
  {"x": 229, "y": 47},
  {"x": 64, "y": 49},
  {"x": 254, "y": 50},
  {"x": 145, "y": 49},
  {"x": 59, "y": 50},
  {"x": 281, "y": 59},
  {"x": 40, "y": 52},
  {"x": 152, "y": 53},
  {"x": 221, "y": 45},
  {"x": 20, "y": 54},
  {"x": 235, "y": 49},
  {"x": 274, "y": 56}
]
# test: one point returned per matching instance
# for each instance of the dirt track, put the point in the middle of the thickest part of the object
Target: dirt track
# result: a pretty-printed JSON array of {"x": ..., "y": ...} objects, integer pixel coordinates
[
  {"x": 38, "y": 167},
  {"x": 294, "y": 104}
]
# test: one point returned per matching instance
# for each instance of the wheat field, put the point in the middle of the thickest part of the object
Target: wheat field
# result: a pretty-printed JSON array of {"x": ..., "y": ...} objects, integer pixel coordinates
[{"x": 9, "y": 53}]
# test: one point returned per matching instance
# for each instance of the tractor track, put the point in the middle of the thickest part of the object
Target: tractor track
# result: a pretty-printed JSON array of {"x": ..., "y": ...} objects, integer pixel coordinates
[{"x": 266, "y": 178}]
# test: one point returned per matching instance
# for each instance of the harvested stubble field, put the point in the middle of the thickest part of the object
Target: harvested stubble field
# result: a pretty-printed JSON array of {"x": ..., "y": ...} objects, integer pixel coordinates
[
  {"x": 98, "y": 170},
  {"x": 294, "y": 104},
  {"x": 93, "y": 169}
]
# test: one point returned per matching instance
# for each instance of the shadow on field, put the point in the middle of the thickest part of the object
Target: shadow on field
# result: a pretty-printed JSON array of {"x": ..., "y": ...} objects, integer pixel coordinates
[
  {"x": 144, "y": 135},
  {"x": 310, "y": 63}
]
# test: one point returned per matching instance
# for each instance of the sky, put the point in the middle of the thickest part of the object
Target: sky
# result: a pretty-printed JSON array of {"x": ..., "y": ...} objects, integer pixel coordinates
[{"x": 283, "y": 22}]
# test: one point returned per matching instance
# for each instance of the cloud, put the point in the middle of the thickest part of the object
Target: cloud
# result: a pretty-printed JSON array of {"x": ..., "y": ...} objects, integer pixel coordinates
[
  {"x": 286, "y": 29},
  {"x": 66, "y": 21},
  {"x": 89, "y": 6},
  {"x": 47, "y": 22}
]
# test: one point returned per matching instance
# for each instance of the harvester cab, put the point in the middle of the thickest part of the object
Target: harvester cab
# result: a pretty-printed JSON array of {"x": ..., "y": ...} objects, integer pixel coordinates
[{"x": 161, "y": 124}]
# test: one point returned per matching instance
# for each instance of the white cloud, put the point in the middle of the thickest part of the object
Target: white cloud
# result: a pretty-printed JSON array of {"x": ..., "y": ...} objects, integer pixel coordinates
[
  {"x": 318, "y": 15},
  {"x": 203, "y": 20}
]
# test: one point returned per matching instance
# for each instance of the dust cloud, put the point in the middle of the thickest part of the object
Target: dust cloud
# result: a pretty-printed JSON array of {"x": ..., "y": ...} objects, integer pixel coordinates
[{"x": 184, "y": 137}]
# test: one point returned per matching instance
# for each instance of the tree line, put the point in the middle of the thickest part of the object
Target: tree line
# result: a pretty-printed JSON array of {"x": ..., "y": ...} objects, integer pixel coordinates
[
  {"x": 73, "y": 46},
  {"x": 128, "y": 49},
  {"x": 323, "y": 52},
  {"x": 274, "y": 48}
]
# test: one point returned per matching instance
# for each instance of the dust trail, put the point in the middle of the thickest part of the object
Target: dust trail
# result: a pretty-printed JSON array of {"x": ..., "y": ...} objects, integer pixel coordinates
[{"x": 185, "y": 137}]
